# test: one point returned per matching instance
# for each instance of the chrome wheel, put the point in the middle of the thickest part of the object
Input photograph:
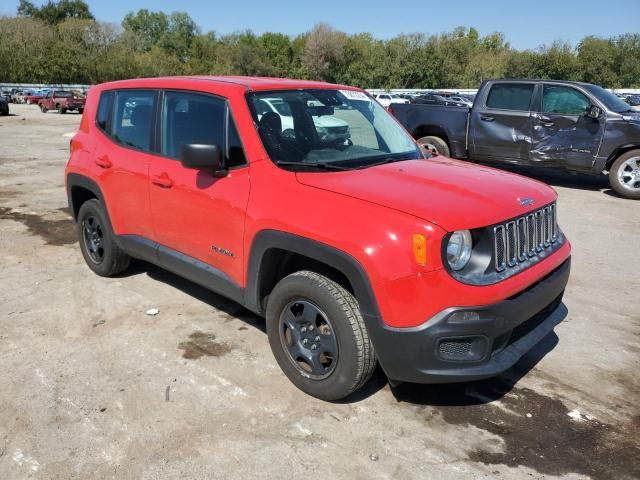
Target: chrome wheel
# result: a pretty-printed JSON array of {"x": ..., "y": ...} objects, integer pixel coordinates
[
  {"x": 629, "y": 173},
  {"x": 308, "y": 338}
]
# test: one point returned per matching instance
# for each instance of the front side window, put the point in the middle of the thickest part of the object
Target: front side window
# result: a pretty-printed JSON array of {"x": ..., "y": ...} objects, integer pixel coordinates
[
  {"x": 191, "y": 118},
  {"x": 563, "y": 100},
  {"x": 133, "y": 118},
  {"x": 338, "y": 128},
  {"x": 511, "y": 96}
]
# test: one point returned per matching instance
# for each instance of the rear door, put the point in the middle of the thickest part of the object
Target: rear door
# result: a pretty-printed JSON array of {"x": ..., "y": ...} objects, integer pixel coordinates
[
  {"x": 196, "y": 215},
  {"x": 562, "y": 132},
  {"x": 125, "y": 120},
  {"x": 500, "y": 123}
]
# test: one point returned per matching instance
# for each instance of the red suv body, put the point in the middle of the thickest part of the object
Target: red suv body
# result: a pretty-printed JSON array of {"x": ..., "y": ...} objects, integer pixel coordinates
[{"x": 447, "y": 271}]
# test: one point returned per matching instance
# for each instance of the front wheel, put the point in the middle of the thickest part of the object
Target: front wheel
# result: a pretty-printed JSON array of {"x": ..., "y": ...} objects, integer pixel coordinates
[
  {"x": 624, "y": 175},
  {"x": 43, "y": 109},
  {"x": 318, "y": 337},
  {"x": 434, "y": 145}
]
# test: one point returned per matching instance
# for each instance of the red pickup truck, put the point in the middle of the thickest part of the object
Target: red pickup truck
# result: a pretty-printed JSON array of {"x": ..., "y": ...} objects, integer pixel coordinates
[
  {"x": 325, "y": 217},
  {"x": 61, "y": 100}
]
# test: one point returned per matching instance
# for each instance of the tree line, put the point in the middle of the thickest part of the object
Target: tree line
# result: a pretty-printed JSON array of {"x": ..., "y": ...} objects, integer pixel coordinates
[{"x": 62, "y": 42}]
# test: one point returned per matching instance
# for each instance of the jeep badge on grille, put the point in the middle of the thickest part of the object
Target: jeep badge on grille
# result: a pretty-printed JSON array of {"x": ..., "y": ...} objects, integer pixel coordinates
[{"x": 525, "y": 202}]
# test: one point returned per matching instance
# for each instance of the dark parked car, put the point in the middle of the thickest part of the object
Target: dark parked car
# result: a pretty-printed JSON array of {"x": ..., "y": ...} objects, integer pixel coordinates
[
  {"x": 579, "y": 127},
  {"x": 4, "y": 106}
]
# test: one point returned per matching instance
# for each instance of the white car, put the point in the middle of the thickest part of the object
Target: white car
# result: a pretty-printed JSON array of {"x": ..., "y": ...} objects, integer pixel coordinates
[
  {"x": 386, "y": 99},
  {"x": 463, "y": 100},
  {"x": 330, "y": 129}
]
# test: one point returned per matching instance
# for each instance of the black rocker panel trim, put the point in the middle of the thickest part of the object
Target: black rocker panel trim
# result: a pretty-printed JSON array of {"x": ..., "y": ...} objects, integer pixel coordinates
[{"x": 188, "y": 267}]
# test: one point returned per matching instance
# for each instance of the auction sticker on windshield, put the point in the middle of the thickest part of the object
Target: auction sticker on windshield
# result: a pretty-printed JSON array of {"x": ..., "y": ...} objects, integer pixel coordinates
[{"x": 355, "y": 95}]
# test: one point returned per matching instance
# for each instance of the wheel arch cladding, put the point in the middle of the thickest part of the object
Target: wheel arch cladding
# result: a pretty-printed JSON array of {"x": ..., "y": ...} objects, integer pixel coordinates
[
  {"x": 79, "y": 190},
  {"x": 267, "y": 241}
]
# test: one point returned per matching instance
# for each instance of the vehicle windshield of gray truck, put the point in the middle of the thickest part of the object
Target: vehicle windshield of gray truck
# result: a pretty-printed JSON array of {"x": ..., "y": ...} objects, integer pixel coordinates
[{"x": 576, "y": 126}]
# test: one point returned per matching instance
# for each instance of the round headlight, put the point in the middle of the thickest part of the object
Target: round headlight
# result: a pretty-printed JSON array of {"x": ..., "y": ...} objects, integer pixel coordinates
[{"x": 459, "y": 249}]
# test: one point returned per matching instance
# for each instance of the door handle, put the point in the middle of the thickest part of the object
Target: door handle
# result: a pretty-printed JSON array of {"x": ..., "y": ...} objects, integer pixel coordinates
[
  {"x": 103, "y": 162},
  {"x": 162, "y": 180},
  {"x": 487, "y": 118},
  {"x": 546, "y": 121}
]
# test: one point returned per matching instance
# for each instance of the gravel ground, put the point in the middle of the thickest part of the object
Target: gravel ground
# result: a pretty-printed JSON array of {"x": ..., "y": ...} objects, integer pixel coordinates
[{"x": 93, "y": 387}]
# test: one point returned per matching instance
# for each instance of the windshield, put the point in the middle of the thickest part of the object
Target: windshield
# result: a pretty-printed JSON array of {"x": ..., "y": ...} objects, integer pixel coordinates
[
  {"x": 62, "y": 94},
  {"x": 343, "y": 129},
  {"x": 611, "y": 101}
]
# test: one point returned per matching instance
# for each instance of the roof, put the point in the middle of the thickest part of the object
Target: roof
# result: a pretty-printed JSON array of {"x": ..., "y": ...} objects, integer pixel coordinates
[
  {"x": 546, "y": 80},
  {"x": 241, "y": 82}
]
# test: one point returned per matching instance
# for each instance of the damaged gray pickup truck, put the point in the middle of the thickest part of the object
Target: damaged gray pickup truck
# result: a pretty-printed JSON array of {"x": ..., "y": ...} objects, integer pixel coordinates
[{"x": 575, "y": 126}]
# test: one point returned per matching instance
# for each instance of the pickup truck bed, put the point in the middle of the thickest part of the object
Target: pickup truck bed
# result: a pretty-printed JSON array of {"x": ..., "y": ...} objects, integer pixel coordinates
[{"x": 443, "y": 121}]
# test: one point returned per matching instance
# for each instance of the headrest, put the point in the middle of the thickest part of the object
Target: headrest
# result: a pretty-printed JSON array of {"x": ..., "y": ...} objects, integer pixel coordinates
[
  {"x": 271, "y": 123},
  {"x": 141, "y": 115}
]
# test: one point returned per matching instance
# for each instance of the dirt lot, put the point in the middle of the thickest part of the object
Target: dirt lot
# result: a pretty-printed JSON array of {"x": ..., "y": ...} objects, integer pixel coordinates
[{"x": 92, "y": 387}]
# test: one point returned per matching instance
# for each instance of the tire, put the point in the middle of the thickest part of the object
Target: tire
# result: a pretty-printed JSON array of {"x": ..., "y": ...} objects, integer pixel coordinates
[
  {"x": 624, "y": 175},
  {"x": 62, "y": 110},
  {"x": 336, "y": 319},
  {"x": 97, "y": 242},
  {"x": 28, "y": 102},
  {"x": 81, "y": 111},
  {"x": 43, "y": 109},
  {"x": 434, "y": 145}
]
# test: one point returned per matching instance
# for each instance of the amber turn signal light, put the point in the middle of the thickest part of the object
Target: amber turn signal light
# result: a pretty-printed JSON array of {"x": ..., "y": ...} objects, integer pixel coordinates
[{"x": 419, "y": 244}]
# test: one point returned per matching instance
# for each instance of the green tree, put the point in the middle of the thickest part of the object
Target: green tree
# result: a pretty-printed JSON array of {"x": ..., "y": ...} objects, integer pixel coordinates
[{"x": 55, "y": 12}]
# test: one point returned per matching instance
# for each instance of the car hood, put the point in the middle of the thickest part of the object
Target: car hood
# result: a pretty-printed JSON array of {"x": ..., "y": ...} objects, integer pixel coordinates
[{"x": 452, "y": 194}]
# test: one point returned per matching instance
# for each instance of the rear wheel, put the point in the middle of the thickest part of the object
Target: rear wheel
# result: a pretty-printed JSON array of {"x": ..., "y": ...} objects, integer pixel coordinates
[
  {"x": 434, "y": 145},
  {"x": 97, "y": 241},
  {"x": 624, "y": 175},
  {"x": 43, "y": 109},
  {"x": 80, "y": 111},
  {"x": 62, "y": 110},
  {"x": 318, "y": 337}
]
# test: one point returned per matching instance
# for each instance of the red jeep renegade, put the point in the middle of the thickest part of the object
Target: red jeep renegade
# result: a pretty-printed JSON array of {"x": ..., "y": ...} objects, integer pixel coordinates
[{"x": 310, "y": 205}]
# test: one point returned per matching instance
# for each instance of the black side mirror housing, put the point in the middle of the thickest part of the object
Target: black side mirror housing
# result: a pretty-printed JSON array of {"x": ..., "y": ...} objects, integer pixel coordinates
[
  {"x": 203, "y": 157},
  {"x": 594, "y": 112}
]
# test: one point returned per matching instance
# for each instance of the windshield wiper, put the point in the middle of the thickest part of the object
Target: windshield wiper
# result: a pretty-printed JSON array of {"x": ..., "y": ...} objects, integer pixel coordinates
[
  {"x": 318, "y": 165},
  {"x": 386, "y": 160}
]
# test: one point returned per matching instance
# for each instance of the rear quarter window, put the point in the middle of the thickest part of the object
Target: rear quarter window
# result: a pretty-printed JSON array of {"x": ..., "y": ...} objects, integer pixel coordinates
[
  {"x": 511, "y": 96},
  {"x": 104, "y": 111}
]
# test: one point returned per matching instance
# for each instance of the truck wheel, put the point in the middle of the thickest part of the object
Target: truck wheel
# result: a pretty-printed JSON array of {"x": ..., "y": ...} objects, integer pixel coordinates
[
  {"x": 43, "y": 109},
  {"x": 62, "y": 110},
  {"x": 624, "y": 175},
  {"x": 318, "y": 337},
  {"x": 434, "y": 145},
  {"x": 81, "y": 111},
  {"x": 97, "y": 242}
]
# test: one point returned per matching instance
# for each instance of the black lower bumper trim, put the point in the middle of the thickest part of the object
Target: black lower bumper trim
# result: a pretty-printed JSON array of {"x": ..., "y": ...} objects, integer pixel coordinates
[{"x": 487, "y": 342}]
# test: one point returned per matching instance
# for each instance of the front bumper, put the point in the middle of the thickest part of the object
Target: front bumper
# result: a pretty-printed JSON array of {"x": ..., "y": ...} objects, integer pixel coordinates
[{"x": 448, "y": 349}]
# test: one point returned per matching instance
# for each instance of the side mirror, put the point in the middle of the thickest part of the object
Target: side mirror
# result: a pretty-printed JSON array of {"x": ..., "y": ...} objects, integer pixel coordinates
[
  {"x": 203, "y": 157},
  {"x": 594, "y": 112}
]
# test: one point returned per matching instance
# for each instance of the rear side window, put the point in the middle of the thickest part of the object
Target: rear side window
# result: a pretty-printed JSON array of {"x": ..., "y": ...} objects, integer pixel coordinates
[
  {"x": 564, "y": 100},
  {"x": 104, "y": 111},
  {"x": 133, "y": 118},
  {"x": 510, "y": 96}
]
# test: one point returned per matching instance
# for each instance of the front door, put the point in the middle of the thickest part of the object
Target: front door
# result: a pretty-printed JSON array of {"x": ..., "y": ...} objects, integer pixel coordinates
[
  {"x": 195, "y": 214},
  {"x": 562, "y": 132},
  {"x": 501, "y": 127}
]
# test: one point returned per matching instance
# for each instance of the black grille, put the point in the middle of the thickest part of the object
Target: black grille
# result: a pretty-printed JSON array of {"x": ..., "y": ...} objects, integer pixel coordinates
[
  {"x": 454, "y": 348},
  {"x": 524, "y": 237}
]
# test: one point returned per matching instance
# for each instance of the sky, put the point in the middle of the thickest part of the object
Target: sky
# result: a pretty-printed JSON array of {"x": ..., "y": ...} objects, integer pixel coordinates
[{"x": 526, "y": 24}]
